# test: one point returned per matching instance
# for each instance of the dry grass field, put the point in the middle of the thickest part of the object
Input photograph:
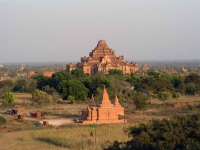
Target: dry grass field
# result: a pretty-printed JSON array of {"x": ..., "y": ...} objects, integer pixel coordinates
[{"x": 30, "y": 134}]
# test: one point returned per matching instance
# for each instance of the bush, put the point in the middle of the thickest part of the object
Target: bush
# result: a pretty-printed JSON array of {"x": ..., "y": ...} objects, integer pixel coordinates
[
  {"x": 181, "y": 132},
  {"x": 8, "y": 98},
  {"x": 2, "y": 120},
  {"x": 41, "y": 98}
]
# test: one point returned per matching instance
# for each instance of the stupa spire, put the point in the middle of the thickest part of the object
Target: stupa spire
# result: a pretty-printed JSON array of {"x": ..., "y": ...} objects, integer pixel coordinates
[
  {"x": 105, "y": 99},
  {"x": 92, "y": 102},
  {"x": 116, "y": 100}
]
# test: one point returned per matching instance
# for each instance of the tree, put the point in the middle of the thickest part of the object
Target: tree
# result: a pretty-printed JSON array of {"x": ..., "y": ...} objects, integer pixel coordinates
[
  {"x": 25, "y": 85},
  {"x": 195, "y": 79},
  {"x": 115, "y": 72},
  {"x": 6, "y": 86},
  {"x": 176, "y": 81},
  {"x": 150, "y": 94},
  {"x": 177, "y": 95},
  {"x": 180, "y": 132},
  {"x": 42, "y": 81},
  {"x": 8, "y": 98},
  {"x": 190, "y": 88},
  {"x": 78, "y": 73},
  {"x": 154, "y": 74},
  {"x": 133, "y": 79},
  {"x": 41, "y": 98},
  {"x": 140, "y": 102},
  {"x": 94, "y": 82},
  {"x": 181, "y": 88},
  {"x": 163, "y": 96},
  {"x": 19, "y": 85},
  {"x": 59, "y": 77},
  {"x": 74, "y": 88}
]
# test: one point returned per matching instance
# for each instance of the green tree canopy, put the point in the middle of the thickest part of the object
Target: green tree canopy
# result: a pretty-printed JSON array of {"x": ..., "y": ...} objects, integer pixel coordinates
[
  {"x": 25, "y": 85},
  {"x": 94, "y": 82},
  {"x": 42, "y": 81},
  {"x": 195, "y": 79},
  {"x": 153, "y": 74},
  {"x": 163, "y": 96},
  {"x": 74, "y": 88},
  {"x": 8, "y": 98},
  {"x": 140, "y": 101},
  {"x": 115, "y": 72},
  {"x": 190, "y": 88},
  {"x": 133, "y": 79},
  {"x": 59, "y": 77},
  {"x": 41, "y": 98},
  {"x": 78, "y": 73},
  {"x": 178, "y": 133},
  {"x": 177, "y": 95}
]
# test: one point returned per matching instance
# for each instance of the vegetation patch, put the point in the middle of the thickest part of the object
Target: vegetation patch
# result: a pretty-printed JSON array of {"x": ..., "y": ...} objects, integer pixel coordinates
[
  {"x": 79, "y": 137},
  {"x": 180, "y": 132},
  {"x": 2, "y": 120}
]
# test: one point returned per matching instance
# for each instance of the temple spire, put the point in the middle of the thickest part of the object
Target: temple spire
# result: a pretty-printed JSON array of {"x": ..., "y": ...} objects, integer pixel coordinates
[
  {"x": 116, "y": 100},
  {"x": 105, "y": 99},
  {"x": 92, "y": 102}
]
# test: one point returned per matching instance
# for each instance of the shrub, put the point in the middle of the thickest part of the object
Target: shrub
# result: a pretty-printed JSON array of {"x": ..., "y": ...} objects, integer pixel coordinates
[
  {"x": 181, "y": 132},
  {"x": 2, "y": 120},
  {"x": 8, "y": 98},
  {"x": 40, "y": 97}
]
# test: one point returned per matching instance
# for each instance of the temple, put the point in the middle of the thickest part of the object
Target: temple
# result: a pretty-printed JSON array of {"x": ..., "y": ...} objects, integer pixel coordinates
[
  {"x": 102, "y": 59},
  {"x": 104, "y": 112},
  {"x": 31, "y": 74},
  {"x": 48, "y": 73},
  {"x": 183, "y": 70},
  {"x": 21, "y": 68},
  {"x": 145, "y": 67}
]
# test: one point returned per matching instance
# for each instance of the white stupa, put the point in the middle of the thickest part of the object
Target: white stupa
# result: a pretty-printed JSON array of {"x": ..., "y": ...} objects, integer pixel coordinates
[{"x": 1, "y": 66}]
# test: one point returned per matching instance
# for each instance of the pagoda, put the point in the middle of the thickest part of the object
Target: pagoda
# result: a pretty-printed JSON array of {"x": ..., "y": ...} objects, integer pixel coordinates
[
  {"x": 48, "y": 73},
  {"x": 183, "y": 70},
  {"x": 104, "y": 112},
  {"x": 21, "y": 68},
  {"x": 145, "y": 67},
  {"x": 102, "y": 59},
  {"x": 31, "y": 74}
]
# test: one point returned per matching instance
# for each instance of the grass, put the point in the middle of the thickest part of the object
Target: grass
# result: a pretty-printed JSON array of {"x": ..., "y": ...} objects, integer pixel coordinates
[
  {"x": 30, "y": 135},
  {"x": 79, "y": 137}
]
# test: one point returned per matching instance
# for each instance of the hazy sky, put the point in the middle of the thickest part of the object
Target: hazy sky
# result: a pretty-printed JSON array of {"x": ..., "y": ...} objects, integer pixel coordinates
[{"x": 65, "y": 30}]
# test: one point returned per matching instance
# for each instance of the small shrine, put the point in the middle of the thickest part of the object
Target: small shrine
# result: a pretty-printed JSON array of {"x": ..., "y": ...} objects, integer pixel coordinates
[
  {"x": 183, "y": 70},
  {"x": 31, "y": 74},
  {"x": 145, "y": 67},
  {"x": 48, "y": 73},
  {"x": 104, "y": 112},
  {"x": 22, "y": 68}
]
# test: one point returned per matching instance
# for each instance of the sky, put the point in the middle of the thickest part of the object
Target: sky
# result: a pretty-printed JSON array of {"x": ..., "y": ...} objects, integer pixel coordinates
[{"x": 65, "y": 30}]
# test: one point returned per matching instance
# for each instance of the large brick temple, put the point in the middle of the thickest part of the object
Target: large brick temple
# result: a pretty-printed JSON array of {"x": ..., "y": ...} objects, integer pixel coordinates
[
  {"x": 101, "y": 59},
  {"x": 103, "y": 112}
]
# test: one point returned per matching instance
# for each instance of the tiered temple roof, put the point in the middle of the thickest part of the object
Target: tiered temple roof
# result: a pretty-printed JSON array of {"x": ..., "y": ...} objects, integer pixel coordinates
[{"x": 103, "y": 58}]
